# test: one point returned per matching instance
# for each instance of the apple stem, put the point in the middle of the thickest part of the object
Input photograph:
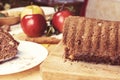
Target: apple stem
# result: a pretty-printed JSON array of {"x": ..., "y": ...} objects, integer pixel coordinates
[
  {"x": 56, "y": 8},
  {"x": 62, "y": 7}
]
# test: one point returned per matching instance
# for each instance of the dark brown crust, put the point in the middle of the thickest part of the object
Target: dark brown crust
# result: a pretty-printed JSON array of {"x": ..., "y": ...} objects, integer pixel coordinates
[
  {"x": 65, "y": 31},
  {"x": 92, "y": 40},
  {"x": 118, "y": 40},
  {"x": 79, "y": 34}
]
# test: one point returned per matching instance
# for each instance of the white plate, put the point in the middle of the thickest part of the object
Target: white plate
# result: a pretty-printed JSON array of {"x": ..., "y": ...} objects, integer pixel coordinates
[
  {"x": 47, "y": 10},
  {"x": 29, "y": 55}
]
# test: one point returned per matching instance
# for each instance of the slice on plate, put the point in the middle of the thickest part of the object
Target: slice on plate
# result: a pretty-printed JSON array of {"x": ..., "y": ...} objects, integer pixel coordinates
[{"x": 8, "y": 46}]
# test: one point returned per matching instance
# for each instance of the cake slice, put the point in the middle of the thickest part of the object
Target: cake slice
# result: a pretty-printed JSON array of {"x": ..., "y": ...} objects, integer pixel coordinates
[
  {"x": 92, "y": 40},
  {"x": 8, "y": 46}
]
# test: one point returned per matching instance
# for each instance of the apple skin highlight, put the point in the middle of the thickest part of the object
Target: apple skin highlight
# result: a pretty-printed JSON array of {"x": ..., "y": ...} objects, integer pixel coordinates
[
  {"x": 33, "y": 21},
  {"x": 59, "y": 18},
  {"x": 33, "y": 25}
]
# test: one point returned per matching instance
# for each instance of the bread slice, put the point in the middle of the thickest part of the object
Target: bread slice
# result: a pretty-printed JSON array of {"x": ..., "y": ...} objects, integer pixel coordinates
[{"x": 8, "y": 46}]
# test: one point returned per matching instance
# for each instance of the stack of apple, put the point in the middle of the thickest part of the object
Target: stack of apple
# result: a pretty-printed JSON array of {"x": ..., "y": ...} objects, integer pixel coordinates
[{"x": 34, "y": 24}]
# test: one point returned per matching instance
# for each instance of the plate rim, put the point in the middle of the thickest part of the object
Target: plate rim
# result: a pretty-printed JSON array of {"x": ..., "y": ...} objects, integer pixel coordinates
[{"x": 52, "y": 11}]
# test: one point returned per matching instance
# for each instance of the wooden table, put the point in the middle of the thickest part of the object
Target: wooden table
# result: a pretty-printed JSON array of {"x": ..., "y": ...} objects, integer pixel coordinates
[
  {"x": 78, "y": 71},
  {"x": 31, "y": 74}
]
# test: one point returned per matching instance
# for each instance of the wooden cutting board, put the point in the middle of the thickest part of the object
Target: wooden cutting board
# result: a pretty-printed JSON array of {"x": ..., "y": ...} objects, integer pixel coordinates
[{"x": 56, "y": 68}]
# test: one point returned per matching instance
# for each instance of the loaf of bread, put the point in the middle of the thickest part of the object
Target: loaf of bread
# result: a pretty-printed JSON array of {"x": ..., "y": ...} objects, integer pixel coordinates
[{"x": 92, "y": 40}]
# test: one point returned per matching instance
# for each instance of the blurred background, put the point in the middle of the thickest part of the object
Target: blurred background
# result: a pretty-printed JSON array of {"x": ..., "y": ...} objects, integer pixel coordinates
[{"x": 76, "y": 4}]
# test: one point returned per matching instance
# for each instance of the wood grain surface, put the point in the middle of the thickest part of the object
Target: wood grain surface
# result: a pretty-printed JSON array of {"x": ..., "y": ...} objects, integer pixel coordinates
[{"x": 55, "y": 67}]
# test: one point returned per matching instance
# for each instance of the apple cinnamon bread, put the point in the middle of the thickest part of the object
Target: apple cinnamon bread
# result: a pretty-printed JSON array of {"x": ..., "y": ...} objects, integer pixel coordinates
[
  {"x": 8, "y": 46},
  {"x": 92, "y": 40}
]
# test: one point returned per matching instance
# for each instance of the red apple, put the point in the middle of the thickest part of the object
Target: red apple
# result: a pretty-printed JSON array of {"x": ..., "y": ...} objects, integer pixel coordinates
[
  {"x": 33, "y": 25},
  {"x": 59, "y": 18}
]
